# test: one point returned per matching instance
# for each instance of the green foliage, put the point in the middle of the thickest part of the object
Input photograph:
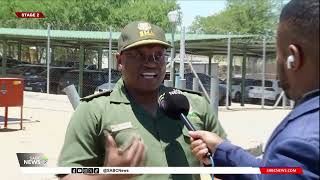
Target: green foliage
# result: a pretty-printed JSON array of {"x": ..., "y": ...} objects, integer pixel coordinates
[
  {"x": 240, "y": 16},
  {"x": 86, "y": 14}
]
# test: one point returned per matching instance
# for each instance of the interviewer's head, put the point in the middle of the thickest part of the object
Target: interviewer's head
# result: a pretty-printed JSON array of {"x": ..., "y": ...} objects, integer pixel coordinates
[{"x": 298, "y": 37}]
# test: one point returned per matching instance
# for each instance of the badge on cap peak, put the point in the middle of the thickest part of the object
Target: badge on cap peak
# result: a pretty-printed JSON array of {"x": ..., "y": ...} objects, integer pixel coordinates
[{"x": 144, "y": 26}]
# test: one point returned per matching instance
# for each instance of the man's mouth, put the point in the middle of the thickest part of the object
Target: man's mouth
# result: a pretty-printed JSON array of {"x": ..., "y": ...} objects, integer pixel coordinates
[{"x": 149, "y": 75}]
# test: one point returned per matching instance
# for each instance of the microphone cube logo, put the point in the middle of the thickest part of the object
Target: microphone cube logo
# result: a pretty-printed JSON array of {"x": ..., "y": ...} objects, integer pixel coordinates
[
  {"x": 32, "y": 159},
  {"x": 175, "y": 91},
  {"x": 162, "y": 96}
]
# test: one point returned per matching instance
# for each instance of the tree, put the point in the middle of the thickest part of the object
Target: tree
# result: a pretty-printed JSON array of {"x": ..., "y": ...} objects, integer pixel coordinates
[
  {"x": 87, "y": 14},
  {"x": 240, "y": 16}
]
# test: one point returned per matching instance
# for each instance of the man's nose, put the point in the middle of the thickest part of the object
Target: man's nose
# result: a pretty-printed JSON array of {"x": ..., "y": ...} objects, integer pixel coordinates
[
  {"x": 149, "y": 61},
  {"x": 149, "y": 58}
]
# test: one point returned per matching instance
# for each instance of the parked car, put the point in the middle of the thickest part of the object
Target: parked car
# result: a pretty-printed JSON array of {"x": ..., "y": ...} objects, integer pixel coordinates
[
  {"x": 91, "y": 80},
  {"x": 206, "y": 80},
  {"x": 271, "y": 91},
  {"x": 76, "y": 64},
  {"x": 236, "y": 88},
  {"x": 24, "y": 70},
  {"x": 12, "y": 62},
  {"x": 38, "y": 82}
]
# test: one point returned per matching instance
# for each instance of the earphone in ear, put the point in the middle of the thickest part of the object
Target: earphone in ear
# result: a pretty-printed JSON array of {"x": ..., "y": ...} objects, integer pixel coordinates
[{"x": 290, "y": 60}]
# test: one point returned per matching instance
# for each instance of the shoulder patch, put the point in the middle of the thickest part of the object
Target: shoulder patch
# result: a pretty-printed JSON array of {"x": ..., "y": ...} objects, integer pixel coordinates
[
  {"x": 192, "y": 92},
  {"x": 92, "y": 96}
]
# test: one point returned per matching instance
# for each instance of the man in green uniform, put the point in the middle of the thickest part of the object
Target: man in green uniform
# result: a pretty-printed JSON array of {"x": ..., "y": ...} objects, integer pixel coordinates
[{"x": 125, "y": 127}]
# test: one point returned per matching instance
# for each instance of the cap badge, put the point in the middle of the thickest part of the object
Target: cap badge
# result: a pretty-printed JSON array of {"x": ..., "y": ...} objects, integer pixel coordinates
[{"x": 144, "y": 26}]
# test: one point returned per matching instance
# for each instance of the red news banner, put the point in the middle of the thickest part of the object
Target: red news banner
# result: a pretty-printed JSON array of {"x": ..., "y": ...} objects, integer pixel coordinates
[
  {"x": 30, "y": 15},
  {"x": 281, "y": 170}
]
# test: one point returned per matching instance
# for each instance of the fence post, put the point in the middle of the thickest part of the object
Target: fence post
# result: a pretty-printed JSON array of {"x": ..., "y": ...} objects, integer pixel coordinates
[
  {"x": 48, "y": 59},
  {"x": 228, "y": 70},
  {"x": 19, "y": 51},
  {"x": 110, "y": 57},
  {"x": 209, "y": 67},
  {"x": 99, "y": 58},
  {"x": 214, "y": 90},
  {"x": 81, "y": 64},
  {"x": 182, "y": 56},
  {"x": 4, "y": 58},
  {"x": 195, "y": 84},
  {"x": 172, "y": 71},
  {"x": 243, "y": 77},
  {"x": 263, "y": 69},
  {"x": 284, "y": 101}
]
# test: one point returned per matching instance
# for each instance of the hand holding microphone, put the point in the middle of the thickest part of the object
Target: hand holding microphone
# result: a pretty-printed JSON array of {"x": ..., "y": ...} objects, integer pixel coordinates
[
  {"x": 176, "y": 106},
  {"x": 203, "y": 142}
]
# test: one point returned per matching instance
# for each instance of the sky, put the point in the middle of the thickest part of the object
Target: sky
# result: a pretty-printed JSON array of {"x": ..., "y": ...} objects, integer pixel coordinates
[{"x": 192, "y": 8}]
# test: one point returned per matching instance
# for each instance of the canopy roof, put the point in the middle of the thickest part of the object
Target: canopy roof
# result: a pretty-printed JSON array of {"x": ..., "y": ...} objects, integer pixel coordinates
[{"x": 200, "y": 44}]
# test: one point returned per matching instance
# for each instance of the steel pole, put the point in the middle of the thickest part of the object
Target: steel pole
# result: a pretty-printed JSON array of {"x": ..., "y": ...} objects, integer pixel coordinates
[
  {"x": 110, "y": 57},
  {"x": 263, "y": 69},
  {"x": 48, "y": 60},
  {"x": 172, "y": 74},
  {"x": 182, "y": 55},
  {"x": 228, "y": 70},
  {"x": 214, "y": 90}
]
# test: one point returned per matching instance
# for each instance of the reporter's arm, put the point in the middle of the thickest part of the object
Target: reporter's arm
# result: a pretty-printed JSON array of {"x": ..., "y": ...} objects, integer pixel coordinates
[
  {"x": 294, "y": 152},
  {"x": 227, "y": 154},
  {"x": 224, "y": 153}
]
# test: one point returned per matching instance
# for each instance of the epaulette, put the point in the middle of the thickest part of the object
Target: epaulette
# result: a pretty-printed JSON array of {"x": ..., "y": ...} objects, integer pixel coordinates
[
  {"x": 92, "y": 96},
  {"x": 191, "y": 92}
]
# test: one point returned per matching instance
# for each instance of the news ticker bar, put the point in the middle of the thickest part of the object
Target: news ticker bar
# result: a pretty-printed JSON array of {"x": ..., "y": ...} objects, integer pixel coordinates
[{"x": 162, "y": 170}]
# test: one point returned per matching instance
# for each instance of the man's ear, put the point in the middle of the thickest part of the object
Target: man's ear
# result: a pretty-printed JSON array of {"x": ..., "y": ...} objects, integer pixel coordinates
[
  {"x": 297, "y": 56},
  {"x": 119, "y": 61}
]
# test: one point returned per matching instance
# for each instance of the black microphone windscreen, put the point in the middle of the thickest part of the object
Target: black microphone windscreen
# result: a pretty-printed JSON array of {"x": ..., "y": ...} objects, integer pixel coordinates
[{"x": 173, "y": 103}]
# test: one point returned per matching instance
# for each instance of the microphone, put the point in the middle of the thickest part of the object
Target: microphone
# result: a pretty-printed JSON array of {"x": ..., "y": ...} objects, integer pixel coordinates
[{"x": 176, "y": 106}]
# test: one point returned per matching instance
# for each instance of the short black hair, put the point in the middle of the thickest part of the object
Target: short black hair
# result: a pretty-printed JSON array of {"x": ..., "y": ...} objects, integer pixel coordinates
[
  {"x": 307, "y": 10},
  {"x": 302, "y": 13},
  {"x": 302, "y": 20}
]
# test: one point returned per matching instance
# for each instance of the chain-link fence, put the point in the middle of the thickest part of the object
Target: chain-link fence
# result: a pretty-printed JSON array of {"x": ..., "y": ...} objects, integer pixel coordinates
[
  {"x": 64, "y": 69},
  {"x": 29, "y": 60},
  {"x": 252, "y": 74}
]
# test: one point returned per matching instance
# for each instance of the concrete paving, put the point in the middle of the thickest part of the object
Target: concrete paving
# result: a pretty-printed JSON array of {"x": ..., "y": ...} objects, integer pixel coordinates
[{"x": 46, "y": 118}]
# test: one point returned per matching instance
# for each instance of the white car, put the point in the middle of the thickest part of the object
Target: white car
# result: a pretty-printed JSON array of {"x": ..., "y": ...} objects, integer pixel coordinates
[
  {"x": 271, "y": 91},
  {"x": 236, "y": 88}
]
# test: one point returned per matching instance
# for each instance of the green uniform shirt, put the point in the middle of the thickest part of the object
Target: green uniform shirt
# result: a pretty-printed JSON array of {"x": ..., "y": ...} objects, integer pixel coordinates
[{"x": 166, "y": 140}]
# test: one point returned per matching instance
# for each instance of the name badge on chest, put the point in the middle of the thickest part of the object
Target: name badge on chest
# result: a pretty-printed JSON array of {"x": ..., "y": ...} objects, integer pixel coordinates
[{"x": 122, "y": 126}]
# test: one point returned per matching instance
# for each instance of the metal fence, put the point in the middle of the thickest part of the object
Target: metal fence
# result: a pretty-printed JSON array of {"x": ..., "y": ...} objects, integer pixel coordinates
[
  {"x": 232, "y": 78},
  {"x": 98, "y": 73},
  {"x": 89, "y": 68}
]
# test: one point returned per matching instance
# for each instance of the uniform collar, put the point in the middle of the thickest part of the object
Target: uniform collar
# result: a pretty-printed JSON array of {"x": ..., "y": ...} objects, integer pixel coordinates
[{"x": 120, "y": 93}]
